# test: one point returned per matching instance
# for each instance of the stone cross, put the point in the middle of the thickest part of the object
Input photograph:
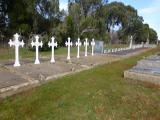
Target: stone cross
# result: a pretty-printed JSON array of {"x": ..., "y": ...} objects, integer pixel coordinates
[
  {"x": 37, "y": 44},
  {"x": 17, "y": 44},
  {"x": 92, "y": 44},
  {"x": 131, "y": 42},
  {"x": 86, "y": 44},
  {"x": 78, "y": 44},
  {"x": 69, "y": 44},
  {"x": 52, "y": 44}
]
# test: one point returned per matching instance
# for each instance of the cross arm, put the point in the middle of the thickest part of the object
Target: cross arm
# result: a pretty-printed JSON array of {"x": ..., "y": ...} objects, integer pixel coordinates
[
  {"x": 22, "y": 43},
  {"x": 41, "y": 44},
  {"x": 32, "y": 43},
  {"x": 56, "y": 44},
  {"x": 10, "y": 42}
]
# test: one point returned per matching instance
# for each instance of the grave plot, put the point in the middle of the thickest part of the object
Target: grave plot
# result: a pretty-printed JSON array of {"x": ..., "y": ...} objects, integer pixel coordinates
[
  {"x": 32, "y": 74},
  {"x": 12, "y": 82},
  {"x": 147, "y": 70},
  {"x": 37, "y": 70},
  {"x": 62, "y": 66},
  {"x": 91, "y": 61},
  {"x": 126, "y": 52},
  {"x": 45, "y": 70},
  {"x": 10, "y": 79}
]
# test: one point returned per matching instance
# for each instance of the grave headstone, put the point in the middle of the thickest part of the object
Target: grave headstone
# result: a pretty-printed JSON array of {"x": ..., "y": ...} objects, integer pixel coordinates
[
  {"x": 131, "y": 42},
  {"x": 37, "y": 44},
  {"x": 69, "y": 44},
  {"x": 53, "y": 45},
  {"x": 92, "y": 44},
  {"x": 112, "y": 50},
  {"x": 17, "y": 44},
  {"x": 78, "y": 44},
  {"x": 86, "y": 44},
  {"x": 99, "y": 46}
]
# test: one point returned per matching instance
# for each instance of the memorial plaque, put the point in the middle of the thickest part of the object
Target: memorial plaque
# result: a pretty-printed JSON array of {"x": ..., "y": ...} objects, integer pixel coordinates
[{"x": 99, "y": 46}]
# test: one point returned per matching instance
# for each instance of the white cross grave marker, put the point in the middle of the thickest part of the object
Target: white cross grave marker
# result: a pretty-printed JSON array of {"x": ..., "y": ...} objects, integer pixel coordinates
[
  {"x": 17, "y": 44},
  {"x": 131, "y": 42},
  {"x": 86, "y": 44},
  {"x": 37, "y": 44},
  {"x": 52, "y": 44},
  {"x": 69, "y": 44},
  {"x": 78, "y": 44},
  {"x": 92, "y": 44}
]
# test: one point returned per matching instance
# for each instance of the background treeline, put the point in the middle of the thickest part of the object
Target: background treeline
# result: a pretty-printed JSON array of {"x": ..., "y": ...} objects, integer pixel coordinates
[{"x": 111, "y": 22}]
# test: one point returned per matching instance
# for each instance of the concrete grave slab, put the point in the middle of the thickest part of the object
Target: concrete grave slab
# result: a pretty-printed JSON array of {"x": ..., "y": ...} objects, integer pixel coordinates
[
  {"x": 93, "y": 61},
  {"x": 147, "y": 70},
  {"x": 44, "y": 70},
  {"x": 10, "y": 79}
]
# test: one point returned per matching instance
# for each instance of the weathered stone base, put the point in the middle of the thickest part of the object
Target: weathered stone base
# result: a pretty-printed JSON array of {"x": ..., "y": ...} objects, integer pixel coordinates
[{"x": 151, "y": 78}]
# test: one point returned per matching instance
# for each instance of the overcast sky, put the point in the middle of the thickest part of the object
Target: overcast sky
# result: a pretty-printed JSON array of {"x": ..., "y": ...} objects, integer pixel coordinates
[{"x": 148, "y": 9}]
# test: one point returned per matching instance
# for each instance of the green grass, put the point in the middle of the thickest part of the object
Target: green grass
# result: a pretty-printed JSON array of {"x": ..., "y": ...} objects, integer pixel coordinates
[
  {"x": 97, "y": 94},
  {"x": 9, "y": 53},
  {"x": 116, "y": 46}
]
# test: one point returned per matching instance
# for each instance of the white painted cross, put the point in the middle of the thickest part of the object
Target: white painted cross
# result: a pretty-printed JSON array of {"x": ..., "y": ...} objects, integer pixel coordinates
[
  {"x": 69, "y": 44},
  {"x": 17, "y": 44},
  {"x": 92, "y": 44},
  {"x": 86, "y": 44},
  {"x": 78, "y": 44},
  {"x": 131, "y": 42},
  {"x": 37, "y": 44},
  {"x": 52, "y": 44}
]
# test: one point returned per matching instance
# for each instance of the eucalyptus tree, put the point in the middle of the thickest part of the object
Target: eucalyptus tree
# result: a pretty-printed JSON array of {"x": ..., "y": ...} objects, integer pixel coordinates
[
  {"x": 153, "y": 37},
  {"x": 88, "y": 6},
  {"x": 114, "y": 16},
  {"x": 86, "y": 20},
  {"x": 43, "y": 12},
  {"x": 76, "y": 16},
  {"x": 127, "y": 19}
]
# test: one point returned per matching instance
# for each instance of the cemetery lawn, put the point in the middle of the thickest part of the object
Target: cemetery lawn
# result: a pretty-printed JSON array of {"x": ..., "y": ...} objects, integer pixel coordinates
[
  {"x": 116, "y": 46},
  {"x": 9, "y": 53},
  {"x": 100, "y": 93}
]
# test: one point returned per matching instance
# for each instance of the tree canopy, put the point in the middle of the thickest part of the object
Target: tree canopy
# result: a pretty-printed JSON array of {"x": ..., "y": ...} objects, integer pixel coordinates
[{"x": 84, "y": 18}]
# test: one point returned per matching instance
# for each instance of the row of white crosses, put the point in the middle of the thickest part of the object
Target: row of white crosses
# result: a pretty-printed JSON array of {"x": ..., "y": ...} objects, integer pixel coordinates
[
  {"x": 131, "y": 46},
  {"x": 78, "y": 44},
  {"x": 116, "y": 50},
  {"x": 52, "y": 44}
]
